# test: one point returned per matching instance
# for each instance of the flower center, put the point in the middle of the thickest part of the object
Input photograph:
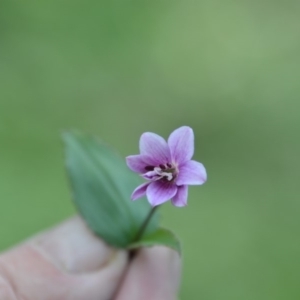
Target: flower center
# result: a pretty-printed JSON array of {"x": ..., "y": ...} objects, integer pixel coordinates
[{"x": 164, "y": 172}]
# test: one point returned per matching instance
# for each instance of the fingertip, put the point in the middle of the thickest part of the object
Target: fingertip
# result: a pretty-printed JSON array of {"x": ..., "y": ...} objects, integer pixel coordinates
[
  {"x": 68, "y": 262},
  {"x": 101, "y": 284},
  {"x": 72, "y": 247},
  {"x": 164, "y": 264},
  {"x": 153, "y": 274}
]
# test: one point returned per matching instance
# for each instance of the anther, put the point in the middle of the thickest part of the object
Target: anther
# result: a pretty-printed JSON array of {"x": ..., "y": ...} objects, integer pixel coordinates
[{"x": 149, "y": 168}]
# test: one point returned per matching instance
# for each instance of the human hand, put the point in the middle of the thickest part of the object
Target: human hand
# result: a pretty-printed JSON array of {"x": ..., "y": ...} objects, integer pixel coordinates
[{"x": 70, "y": 263}]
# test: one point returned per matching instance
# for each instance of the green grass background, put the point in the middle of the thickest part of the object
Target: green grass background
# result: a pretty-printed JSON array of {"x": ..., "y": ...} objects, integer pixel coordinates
[{"x": 229, "y": 69}]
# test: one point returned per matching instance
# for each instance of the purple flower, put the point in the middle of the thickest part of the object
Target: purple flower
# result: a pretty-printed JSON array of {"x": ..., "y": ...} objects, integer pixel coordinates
[{"x": 167, "y": 166}]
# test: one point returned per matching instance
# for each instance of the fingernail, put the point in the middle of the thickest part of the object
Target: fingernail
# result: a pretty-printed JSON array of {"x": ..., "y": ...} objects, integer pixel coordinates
[{"x": 73, "y": 247}]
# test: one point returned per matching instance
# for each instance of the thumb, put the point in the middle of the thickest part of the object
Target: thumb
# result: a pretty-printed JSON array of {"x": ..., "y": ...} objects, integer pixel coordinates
[{"x": 65, "y": 263}]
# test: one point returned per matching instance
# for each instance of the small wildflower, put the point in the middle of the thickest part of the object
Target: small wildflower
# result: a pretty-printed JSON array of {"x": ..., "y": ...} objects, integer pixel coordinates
[{"x": 167, "y": 167}]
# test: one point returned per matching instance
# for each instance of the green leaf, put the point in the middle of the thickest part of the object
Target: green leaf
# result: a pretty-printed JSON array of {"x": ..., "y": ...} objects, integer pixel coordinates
[
  {"x": 101, "y": 186},
  {"x": 161, "y": 236}
]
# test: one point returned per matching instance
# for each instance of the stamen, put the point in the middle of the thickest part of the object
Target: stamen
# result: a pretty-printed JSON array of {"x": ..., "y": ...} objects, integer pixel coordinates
[
  {"x": 169, "y": 176},
  {"x": 165, "y": 172},
  {"x": 149, "y": 168}
]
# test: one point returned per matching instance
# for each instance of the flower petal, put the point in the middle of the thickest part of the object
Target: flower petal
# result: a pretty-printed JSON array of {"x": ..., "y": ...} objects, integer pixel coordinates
[
  {"x": 191, "y": 173},
  {"x": 155, "y": 147},
  {"x": 140, "y": 191},
  {"x": 137, "y": 163},
  {"x": 180, "y": 199},
  {"x": 159, "y": 192},
  {"x": 181, "y": 143}
]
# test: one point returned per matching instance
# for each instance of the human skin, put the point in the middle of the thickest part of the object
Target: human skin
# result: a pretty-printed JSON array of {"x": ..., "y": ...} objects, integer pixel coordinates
[{"x": 69, "y": 262}]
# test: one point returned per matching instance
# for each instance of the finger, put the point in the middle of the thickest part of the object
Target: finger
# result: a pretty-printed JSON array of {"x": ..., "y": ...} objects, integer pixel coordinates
[
  {"x": 65, "y": 263},
  {"x": 154, "y": 274}
]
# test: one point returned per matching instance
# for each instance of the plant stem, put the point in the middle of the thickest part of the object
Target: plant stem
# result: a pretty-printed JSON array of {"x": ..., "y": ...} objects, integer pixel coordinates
[
  {"x": 144, "y": 225},
  {"x": 141, "y": 231}
]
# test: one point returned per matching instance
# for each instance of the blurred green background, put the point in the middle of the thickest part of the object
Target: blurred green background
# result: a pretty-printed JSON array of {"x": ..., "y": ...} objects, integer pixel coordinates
[{"x": 229, "y": 69}]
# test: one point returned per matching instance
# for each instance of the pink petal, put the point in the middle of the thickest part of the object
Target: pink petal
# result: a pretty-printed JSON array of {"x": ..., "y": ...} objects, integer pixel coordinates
[
  {"x": 137, "y": 163},
  {"x": 191, "y": 173},
  {"x": 140, "y": 191},
  {"x": 181, "y": 143},
  {"x": 159, "y": 192},
  {"x": 180, "y": 199},
  {"x": 155, "y": 147}
]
